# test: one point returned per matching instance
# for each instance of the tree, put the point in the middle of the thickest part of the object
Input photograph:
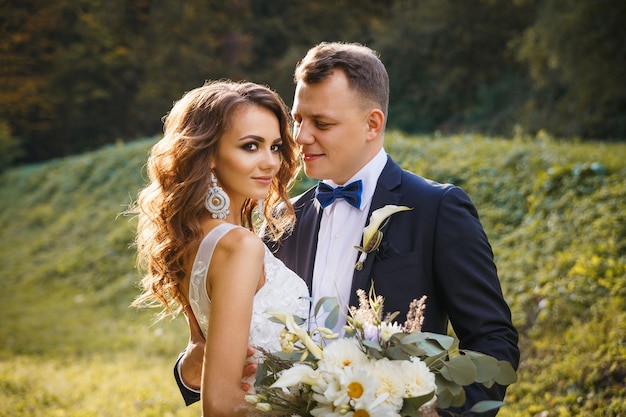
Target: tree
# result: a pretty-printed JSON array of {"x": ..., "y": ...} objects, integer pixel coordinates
[
  {"x": 283, "y": 30},
  {"x": 449, "y": 64},
  {"x": 575, "y": 54},
  {"x": 31, "y": 30}
]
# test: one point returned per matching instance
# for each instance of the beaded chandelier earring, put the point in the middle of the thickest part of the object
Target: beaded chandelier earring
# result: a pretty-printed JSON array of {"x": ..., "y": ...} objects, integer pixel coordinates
[{"x": 217, "y": 201}]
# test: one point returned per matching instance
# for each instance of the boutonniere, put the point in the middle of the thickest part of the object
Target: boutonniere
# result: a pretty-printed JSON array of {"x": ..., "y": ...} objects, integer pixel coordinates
[{"x": 372, "y": 235}]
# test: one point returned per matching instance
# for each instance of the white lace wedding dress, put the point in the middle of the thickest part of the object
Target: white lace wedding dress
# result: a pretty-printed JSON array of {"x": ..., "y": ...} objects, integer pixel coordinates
[{"x": 282, "y": 291}]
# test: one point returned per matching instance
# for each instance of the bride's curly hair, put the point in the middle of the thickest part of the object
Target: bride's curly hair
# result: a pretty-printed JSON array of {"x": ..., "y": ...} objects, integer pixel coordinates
[{"x": 170, "y": 207}]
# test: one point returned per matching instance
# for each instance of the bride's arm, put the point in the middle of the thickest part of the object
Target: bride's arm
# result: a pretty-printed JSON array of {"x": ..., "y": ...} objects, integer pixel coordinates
[{"x": 233, "y": 278}]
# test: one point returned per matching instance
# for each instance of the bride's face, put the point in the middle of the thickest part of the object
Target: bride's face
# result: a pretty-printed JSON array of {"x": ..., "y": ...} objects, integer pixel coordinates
[{"x": 248, "y": 154}]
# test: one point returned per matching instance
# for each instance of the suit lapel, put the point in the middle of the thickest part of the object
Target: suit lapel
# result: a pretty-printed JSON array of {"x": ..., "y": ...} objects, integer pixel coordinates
[
  {"x": 308, "y": 230},
  {"x": 387, "y": 192}
]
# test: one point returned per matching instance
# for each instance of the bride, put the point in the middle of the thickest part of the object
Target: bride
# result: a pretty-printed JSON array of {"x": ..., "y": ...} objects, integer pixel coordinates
[{"x": 226, "y": 151}]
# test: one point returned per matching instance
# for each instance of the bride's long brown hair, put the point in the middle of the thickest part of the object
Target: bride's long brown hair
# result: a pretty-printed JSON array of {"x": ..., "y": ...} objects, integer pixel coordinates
[{"x": 170, "y": 207}]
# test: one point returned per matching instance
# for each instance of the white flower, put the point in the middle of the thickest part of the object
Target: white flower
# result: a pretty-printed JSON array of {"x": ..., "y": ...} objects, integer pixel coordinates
[
  {"x": 298, "y": 332},
  {"x": 372, "y": 236},
  {"x": 329, "y": 410},
  {"x": 376, "y": 220},
  {"x": 388, "y": 373},
  {"x": 358, "y": 319},
  {"x": 418, "y": 379},
  {"x": 287, "y": 340},
  {"x": 342, "y": 353},
  {"x": 376, "y": 408},
  {"x": 353, "y": 385},
  {"x": 263, "y": 407},
  {"x": 252, "y": 398},
  {"x": 387, "y": 330},
  {"x": 298, "y": 374}
]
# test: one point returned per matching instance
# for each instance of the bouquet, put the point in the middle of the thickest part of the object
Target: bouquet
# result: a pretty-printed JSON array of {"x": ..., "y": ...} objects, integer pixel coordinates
[{"x": 378, "y": 368}]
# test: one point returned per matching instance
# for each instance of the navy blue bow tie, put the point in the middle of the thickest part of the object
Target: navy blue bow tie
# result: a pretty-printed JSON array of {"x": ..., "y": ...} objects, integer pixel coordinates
[{"x": 326, "y": 194}]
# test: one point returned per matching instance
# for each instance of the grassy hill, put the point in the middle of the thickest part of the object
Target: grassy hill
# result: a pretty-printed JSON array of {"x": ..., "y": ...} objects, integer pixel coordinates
[{"x": 71, "y": 346}]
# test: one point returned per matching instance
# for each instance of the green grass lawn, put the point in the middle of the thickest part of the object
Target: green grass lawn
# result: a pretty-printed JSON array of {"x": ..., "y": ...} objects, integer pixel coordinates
[{"x": 71, "y": 346}]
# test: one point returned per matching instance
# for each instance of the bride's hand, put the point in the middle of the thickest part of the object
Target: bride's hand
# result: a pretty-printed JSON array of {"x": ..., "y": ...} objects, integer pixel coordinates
[
  {"x": 249, "y": 370},
  {"x": 191, "y": 362}
]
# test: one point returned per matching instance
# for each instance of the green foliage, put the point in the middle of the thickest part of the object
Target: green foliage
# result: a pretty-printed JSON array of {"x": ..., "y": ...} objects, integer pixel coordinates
[
  {"x": 553, "y": 211},
  {"x": 10, "y": 148},
  {"x": 574, "y": 52},
  {"x": 127, "y": 384},
  {"x": 554, "y": 214},
  {"x": 78, "y": 74},
  {"x": 83, "y": 73},
  {"x": 456, "y": 70}
]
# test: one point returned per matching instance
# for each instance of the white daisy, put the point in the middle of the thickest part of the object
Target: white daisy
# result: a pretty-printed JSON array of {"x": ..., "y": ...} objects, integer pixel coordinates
[
  {"x": 387, "y": 330},
  {"x": 374, "y": 409},
  {"x": 355, "y": 385}
]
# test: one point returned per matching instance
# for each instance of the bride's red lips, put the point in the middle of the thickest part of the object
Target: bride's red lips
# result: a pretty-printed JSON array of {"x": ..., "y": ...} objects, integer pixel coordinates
[{"x": 265, "y": 180}]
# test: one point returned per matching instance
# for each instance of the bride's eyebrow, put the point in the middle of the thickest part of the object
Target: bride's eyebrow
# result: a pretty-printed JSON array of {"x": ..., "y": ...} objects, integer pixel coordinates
[
  {"x": 255, "y": 137},
  {"x": 259, "y": 138}
]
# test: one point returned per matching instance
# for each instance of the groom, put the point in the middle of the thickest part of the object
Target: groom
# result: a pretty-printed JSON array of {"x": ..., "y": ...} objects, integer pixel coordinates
[{"x": 438, "y": 249}]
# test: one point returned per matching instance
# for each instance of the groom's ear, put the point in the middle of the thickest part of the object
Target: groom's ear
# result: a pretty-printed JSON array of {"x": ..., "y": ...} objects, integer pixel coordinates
[{"x": 375, "y": 124}]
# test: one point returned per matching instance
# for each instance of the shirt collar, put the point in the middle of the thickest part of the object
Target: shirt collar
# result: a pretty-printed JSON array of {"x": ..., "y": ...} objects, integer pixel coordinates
[{"x": 369, "y": 175}]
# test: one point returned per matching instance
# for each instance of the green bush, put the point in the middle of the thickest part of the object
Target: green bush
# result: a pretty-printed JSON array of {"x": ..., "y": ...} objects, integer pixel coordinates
[
  {"x": 553, "y": 212},
  {"x": 10, "y": 148}
]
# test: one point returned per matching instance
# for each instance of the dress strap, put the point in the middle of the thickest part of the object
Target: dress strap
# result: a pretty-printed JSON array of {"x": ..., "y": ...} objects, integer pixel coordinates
[
  {"x": 209, "y": 242},
  {"x": 198, "y": 297}
]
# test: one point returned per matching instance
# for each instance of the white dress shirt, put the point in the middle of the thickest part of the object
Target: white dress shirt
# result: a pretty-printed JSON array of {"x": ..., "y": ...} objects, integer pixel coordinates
[{"x": 341, "y": 229}]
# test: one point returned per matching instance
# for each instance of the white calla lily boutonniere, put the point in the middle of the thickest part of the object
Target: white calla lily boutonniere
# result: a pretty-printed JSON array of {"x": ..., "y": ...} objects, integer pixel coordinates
[{"x": 372, "y": 236}]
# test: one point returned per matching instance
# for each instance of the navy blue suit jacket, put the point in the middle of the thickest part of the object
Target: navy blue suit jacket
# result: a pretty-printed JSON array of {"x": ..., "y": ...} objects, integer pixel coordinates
[{"x": 438, "y": 249}]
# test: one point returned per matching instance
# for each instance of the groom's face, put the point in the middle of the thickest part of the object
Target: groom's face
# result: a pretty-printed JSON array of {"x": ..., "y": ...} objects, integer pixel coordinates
[{"x": 331, "y": 126}]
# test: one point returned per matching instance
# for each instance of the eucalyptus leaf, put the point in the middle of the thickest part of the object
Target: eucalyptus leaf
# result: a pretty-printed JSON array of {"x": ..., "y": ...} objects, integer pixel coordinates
[
  {"x": 431, "y": 347},
  {"x": 459, "y": 399},
  {"x": 397, "y": 353},
  {"x": 482, "y": 406},
  {"x": 298, "y": 320},
  {"x": 453, "y": 387},
  {"x": 443, "y": 340},
  {"x": 332, "y": 318},
  {"x": 411, "y": 406},
  {"x": 449, "y": 394},
  {"x": 374, "y": 353},
  {"x": 462, "y": 370},
  {"x": 326, "y": 303},
  {"x": 416, "y": 337},
  {"x": 372, "y": 345},
  {"x": 412, "y": 350},
  {"x": 262, "y": 371},
  {"x": 425, "y": 341},
  {"x": 445, "y": 373},
  {"x": 444, "y": 397},
  {"x": 487, "y": 367},
  {"x": 489, "y": 383},
  {"x": 435, "y": 362},
  {"x": 293, "y": 356},
  {"x": 507, "y": 374}
]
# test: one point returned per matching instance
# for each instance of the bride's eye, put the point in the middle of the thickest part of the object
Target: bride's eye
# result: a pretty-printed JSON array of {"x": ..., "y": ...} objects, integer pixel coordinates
[{"x": 251, "y": 146}]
